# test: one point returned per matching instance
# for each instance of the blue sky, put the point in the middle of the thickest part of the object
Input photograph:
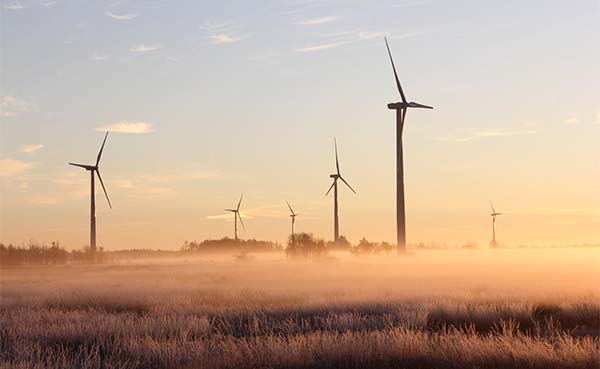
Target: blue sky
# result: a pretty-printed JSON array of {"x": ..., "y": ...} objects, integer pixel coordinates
[{"x": 214, "y": 99}]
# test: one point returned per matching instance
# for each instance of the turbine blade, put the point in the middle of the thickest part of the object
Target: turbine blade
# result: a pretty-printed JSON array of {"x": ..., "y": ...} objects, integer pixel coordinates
[
  {"x": 289, "y": 206},
  {"x": 104, "y": 188},
  {"x": 241, "y": 221},
  {"x": 329, "y": 190},
  {"x": 101, "y": 149},
  {"x": 404, "y": 116},
  {"x": 240, "y": 203},
  {"x": 493, "y": 210},
  {"x": 337, "y": 162},
  {"x": 395, "y": 74},
  {"x": 417, "y": 105},
  {"x": 231, "y": 210},
  {"x": 347, "y": 184},
  {"x": 80, "y": 165}
]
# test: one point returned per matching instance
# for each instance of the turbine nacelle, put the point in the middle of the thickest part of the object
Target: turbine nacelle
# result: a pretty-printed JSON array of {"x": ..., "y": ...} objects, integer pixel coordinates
[{"x": 404, "y": 105}]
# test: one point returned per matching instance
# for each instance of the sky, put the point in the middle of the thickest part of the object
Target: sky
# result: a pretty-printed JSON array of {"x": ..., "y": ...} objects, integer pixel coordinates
[{"x": 208, "y": 100}]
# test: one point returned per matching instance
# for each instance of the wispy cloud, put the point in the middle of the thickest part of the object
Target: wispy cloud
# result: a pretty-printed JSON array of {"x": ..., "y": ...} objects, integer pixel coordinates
[
  {"x": 121, "y": 17},
  {"x": 320, "y": 47},
  {"x": 48, "y": 3},
  {"x": 143, "y": 189},
  {"x": 222, "y": 33},
  {"x": 98, "y": 57},
  {"x": 10, "y": 106},
  {"x": 267, "y": 211},
  {"x": 14, "y": 6},
  {"x": 223, "y": 39},
  {"x": 43, "y": 200},
  {"x": 320, "y": 20},
  {"x": 11, "y": 167},
  {"x": 562, "y": 211},
  {"x": 488, "y": 134},
  {"x": 572, "y": 121},
  {"x": 30, "y": 149},
  {"x": 182, "y": 175},
  {"x": 127, "y": 127},
  {"x": 140, "y": 49}
]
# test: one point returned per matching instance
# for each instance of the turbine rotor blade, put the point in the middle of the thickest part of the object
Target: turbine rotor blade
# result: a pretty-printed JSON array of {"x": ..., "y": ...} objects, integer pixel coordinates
[
  {"x": 289, "y": 206},
  {"x": 404, "y": 116},
  {"x": 493, "y": 210},
  {"x": 241, "y": 221},
  {"x": 329, "y": 190},
  {"x": 104, "y": 188},
  {"x": 395, "y": 74},
  {"x": 417, "y": 105},
  {"x": 231, "y": 210},
  {"x": 240, "y": 203},
  {"x": 101, "y": 149},
  {"x": 82, "y": 166},
  {"x": 347, "y": 184},
  {"x": 337, "y": 162}
]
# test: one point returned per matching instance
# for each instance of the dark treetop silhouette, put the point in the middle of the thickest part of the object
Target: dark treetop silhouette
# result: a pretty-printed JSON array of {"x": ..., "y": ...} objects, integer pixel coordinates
[
  {"x": 401, "y": 108},
  {"x": 94, "y": 169},
  {"x": 336, "y": 176},
  {"x": 236, "y": 213}
]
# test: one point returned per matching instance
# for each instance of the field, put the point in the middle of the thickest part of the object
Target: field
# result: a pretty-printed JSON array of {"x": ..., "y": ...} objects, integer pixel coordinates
[{"x": 525, "y": 308}]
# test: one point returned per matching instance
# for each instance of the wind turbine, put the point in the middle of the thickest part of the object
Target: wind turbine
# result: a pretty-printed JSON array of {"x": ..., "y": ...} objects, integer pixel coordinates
[
  {"x": 293, "y": 215},
  {"x": 236, "y": 213},
  {"x": 336, "y": 176},
  {"x": 94, "y": 169},
  {"x": 400, "y": 108},
  {"x": 494, "y": 214}
]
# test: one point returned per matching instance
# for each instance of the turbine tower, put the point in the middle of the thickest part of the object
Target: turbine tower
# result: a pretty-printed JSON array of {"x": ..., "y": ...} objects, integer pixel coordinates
[
  {"x": 494, "y": 214},
  {"x": 400, "y": 108},
  {"x": 336, "y": 176},
  {"x": 236, "y": 213},
  {"x": 293, "y": 215},
  {"x": 94, "y": 169}
]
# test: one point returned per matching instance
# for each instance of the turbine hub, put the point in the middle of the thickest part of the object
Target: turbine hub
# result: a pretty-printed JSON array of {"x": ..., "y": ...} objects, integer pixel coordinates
[{"x": 397, "y": 105}]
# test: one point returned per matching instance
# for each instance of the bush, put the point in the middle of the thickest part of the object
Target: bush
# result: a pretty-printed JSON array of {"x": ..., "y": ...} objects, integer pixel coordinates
[{"x": 305, "y": 245}]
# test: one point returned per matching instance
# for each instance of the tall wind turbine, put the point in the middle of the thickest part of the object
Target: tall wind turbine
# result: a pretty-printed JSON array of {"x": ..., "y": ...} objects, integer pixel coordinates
[
  {"x": 400, "y": 108},
  {"x": 236, "y": 213},
  {"x": 494, "y": 214},
  {"x": 293, "y": 215},
  {"x": 94, "y": 169},
  {"x": 336, "y": 176}
]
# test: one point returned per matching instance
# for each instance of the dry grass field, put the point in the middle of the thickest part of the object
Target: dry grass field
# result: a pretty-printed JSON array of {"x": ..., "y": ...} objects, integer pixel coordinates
[{"x": 526, "y": 308}]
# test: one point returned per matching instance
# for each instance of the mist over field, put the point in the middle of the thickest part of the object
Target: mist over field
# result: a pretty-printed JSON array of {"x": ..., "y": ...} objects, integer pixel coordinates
[{"x": 504, "y": 308}]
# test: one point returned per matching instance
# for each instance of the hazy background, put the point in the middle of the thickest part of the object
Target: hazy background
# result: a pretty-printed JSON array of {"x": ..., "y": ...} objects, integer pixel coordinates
[{"x": 237, "y": 97}]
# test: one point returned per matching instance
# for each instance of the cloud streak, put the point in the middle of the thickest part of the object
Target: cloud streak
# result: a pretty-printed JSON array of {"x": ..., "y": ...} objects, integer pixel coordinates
[
  {"x": 141, "y": 49},
  {"x": 489, "y": 134},
  {"x": 320, "y": 47},
  {"x": 221, "y": 39},
  {"x": 223, "y": 33},
  {"x": 31, "y": 149},
  {"x": 318, "y": 21},
  {"x": 121, "y": 17},
  {"x": 10, "y": 106},
  {"x": 11, "y": 167},
  {"x": 127, "y": 127}
]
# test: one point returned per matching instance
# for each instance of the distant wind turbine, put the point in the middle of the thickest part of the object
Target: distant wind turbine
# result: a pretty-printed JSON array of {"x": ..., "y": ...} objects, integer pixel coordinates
[
  {"x": 94, "y": 169},
  {"x": 237, "y": 215},
  {"x": 293, "y": 215},
  {"x": 336, "y": 176},
  {"x": 494, "y": 214},
  {"x": 401, "y": 108}
]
